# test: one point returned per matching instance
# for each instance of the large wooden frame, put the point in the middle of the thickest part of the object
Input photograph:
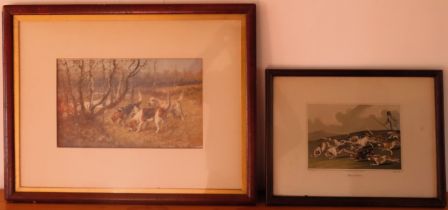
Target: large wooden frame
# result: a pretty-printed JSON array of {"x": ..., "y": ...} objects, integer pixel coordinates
[
  {"x": 342, "y": 85},
  {"x": 15, "y": 192}
]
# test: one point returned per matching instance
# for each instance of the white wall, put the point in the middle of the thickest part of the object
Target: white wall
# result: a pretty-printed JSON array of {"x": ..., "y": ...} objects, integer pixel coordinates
[{"x": 336, "y": 34}]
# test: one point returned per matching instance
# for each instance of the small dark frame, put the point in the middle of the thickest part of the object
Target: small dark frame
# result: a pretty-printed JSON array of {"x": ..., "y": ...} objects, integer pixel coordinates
[
  {"x": 438, "y": 201},
  {"x": 247, "y": 10}
]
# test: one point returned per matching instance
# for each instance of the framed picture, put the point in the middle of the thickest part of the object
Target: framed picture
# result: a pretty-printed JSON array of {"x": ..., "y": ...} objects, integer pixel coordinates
[
  {"x": 355, "y": 137},
  {"x": 130, "y": 103}
]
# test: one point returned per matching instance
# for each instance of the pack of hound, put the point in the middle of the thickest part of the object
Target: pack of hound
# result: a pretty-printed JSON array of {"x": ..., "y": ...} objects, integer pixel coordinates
[
  {"x": 138, "y": 115},
  {"x": 375, "y": 149}
]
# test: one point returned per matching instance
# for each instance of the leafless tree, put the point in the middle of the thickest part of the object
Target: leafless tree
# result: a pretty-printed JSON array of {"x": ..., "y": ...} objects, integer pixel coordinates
[{"x": 90, "y": 94}]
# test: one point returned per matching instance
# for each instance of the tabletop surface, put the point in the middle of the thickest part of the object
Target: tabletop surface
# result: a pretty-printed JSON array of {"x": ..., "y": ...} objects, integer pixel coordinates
[{"x": 41, "y": 206}]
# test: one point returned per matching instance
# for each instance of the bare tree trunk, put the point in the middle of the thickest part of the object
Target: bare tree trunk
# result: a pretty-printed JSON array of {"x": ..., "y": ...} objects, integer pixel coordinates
[
  {"x": 154, "y": 72},
  {"x": 132, "y": 94},
  {"x": 62, "y": 84},
  {"x": 120, "y": 85},
  {"x": 110, "y": 96},
  {"x": 132, "y": 72},
  {"x": 91, "y": 85},
  {"x": 70, "y": 87},
  {"x": 109, "y": 87},
  {"x": 106, "y": 82},
  {"x": 80, "y": 85}
]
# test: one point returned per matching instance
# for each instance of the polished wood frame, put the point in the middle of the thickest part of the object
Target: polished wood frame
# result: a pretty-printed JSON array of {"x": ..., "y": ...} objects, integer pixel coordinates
[
  {"x": 11, "y": 105},
  {"x": 439, "y": 201}
]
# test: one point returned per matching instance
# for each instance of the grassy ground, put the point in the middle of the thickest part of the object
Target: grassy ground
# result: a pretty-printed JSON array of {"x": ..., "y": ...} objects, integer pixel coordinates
[
  {"x": 345, "y": 162},
  {"x": 174, "y": 133}
]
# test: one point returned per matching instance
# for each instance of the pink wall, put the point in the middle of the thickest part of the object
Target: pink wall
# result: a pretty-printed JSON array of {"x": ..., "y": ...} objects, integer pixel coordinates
[
  {"x": 337, "y": 34},
  {"x": 351, "y": 34}
]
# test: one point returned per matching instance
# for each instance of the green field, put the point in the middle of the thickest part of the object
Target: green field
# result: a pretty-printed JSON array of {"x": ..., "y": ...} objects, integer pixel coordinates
[{"x": 346, "y": 162}]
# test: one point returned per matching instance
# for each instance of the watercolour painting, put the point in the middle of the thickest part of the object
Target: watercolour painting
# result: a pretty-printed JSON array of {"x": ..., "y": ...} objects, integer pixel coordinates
[{"x": 129, "y": 103}]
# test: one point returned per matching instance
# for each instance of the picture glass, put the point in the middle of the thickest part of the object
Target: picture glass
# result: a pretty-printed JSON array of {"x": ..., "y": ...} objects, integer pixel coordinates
[
  {"x": 358, "y": 136},
  {"x": 354, "y": 136},
  {"x": 155, "y": 103},
  {"x": 140, "y": 107}
]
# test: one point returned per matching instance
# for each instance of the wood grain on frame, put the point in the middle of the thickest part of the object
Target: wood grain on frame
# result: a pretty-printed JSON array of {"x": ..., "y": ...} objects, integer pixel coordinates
[
  {"x": 176, "y": 196},
  {"x": 438, "y": 201}
]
